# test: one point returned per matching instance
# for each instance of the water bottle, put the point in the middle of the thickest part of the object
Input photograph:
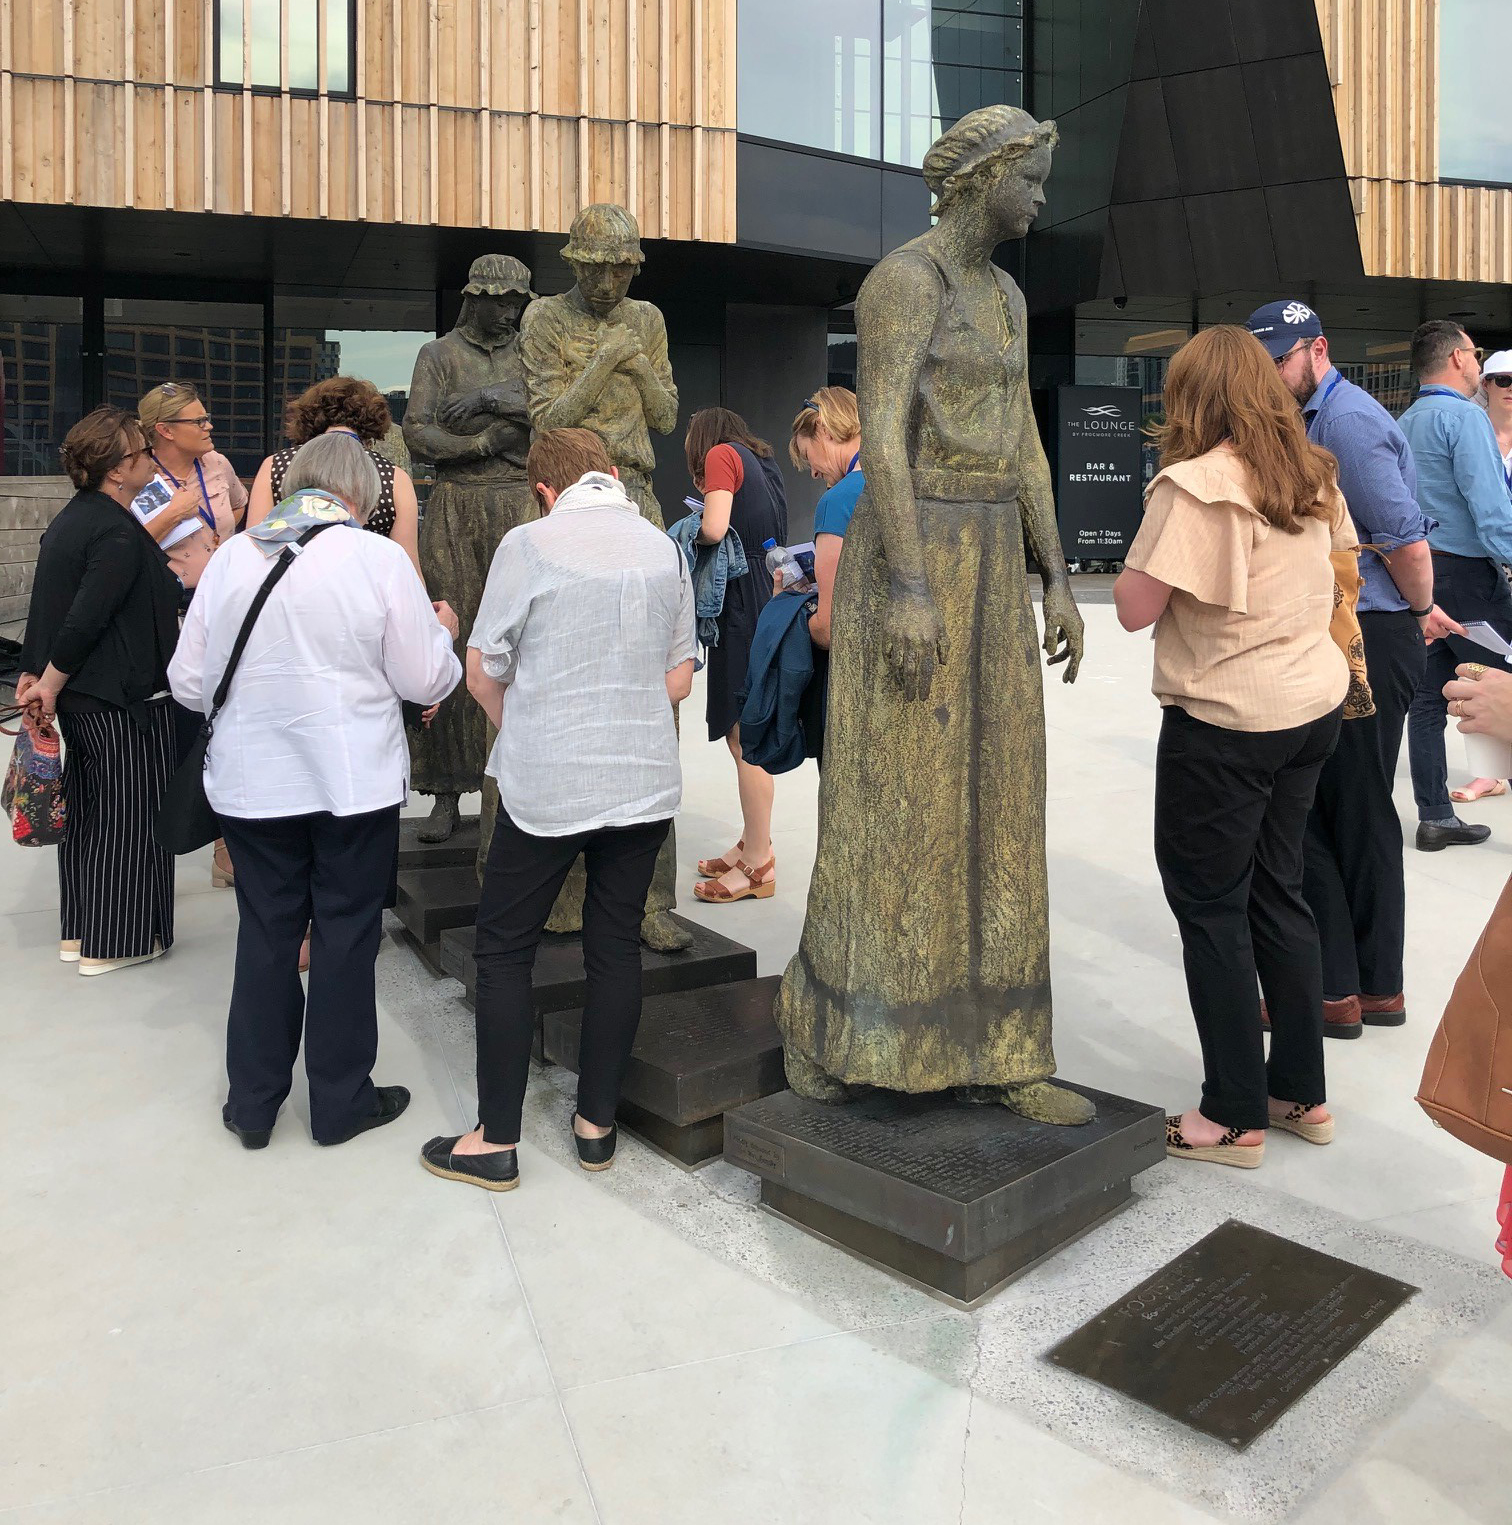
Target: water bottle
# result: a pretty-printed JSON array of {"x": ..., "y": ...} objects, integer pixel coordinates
[{"x": 780, "y": 562}]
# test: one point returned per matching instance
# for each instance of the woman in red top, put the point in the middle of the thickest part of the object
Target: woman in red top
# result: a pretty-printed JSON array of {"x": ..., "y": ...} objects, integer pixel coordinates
[{"x": 742, "y": 491}]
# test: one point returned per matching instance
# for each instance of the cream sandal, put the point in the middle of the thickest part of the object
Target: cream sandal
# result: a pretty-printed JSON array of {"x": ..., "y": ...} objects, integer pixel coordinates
[
  {"x": 1295, "y": 1121},
  {"x": 1227, "y": 1151}
]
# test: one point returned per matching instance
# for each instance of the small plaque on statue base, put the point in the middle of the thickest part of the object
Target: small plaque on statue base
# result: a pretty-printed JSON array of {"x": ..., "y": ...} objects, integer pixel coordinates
[
  {"x": 955, "y": 1197},
  {"x": 698, "y": 1054}
]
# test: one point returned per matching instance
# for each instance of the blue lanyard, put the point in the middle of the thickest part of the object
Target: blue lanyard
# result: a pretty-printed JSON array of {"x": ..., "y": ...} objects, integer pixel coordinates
[
  {"x": 855, "y": 462},
  {"x": 1322, "y": 403},
  {"x": 207, "y": 514},
  {"x": 1437, "y": 391}
]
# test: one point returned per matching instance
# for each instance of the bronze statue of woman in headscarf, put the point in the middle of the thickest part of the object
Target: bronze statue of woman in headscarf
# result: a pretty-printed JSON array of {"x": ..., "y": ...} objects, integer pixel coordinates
[{"x": 925, "y": 961}]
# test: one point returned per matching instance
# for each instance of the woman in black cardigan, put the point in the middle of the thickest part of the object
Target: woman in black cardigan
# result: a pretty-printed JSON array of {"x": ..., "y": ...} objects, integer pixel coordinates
[{"x": 102, "y": 625}]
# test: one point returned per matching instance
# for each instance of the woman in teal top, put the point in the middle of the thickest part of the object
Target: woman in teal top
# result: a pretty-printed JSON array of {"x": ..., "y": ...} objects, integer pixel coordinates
[{"x": 826, "y": 443}]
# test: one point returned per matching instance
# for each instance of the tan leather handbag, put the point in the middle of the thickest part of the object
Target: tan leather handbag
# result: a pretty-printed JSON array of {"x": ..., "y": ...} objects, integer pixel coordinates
[{"x": 1467, "y": 1081}]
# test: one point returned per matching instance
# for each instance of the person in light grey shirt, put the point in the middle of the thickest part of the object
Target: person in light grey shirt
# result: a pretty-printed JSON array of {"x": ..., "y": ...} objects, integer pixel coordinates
[{"x": 584, "y": 643}]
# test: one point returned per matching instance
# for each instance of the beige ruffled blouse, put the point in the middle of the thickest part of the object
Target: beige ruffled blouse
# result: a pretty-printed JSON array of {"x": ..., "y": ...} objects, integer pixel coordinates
[{"x": 1244, "y": 642}]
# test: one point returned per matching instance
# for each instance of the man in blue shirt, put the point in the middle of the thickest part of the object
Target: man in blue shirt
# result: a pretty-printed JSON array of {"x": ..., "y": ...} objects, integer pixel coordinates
[
  {"x": 1352, "y": 852},
  {"x": 1461, "y": 486}
]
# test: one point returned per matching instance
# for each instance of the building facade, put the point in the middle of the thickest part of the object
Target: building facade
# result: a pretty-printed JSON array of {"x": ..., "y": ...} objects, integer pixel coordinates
[{"x": 251, "y": 194}]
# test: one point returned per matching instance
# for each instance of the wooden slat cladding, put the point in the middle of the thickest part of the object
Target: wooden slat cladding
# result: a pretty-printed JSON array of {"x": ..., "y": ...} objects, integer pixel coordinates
[
  {"x": 466, "y": 113},
  {"x": 1383, "y": 59}
]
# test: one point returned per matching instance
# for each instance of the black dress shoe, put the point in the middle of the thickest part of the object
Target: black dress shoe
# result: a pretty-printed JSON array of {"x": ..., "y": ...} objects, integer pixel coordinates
[
  {"x": 1435, "y": 836},
  {"x": 498, "y": 1170},
  {"x": 596, "y": 1153},
  {"x": 392, "y": 1100},
  {"x": 252, "y": 1138}
]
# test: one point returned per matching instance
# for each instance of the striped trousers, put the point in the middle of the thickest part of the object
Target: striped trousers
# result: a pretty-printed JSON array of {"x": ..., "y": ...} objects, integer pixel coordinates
[{"x": 115, "y": 884}]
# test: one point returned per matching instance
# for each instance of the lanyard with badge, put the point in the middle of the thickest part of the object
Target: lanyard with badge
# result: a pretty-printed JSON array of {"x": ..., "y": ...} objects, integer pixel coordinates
[
  {"x": 1317, "y": 412},
  {"x": 205, "y": 512},
  {"x": 855, "y": 461}
]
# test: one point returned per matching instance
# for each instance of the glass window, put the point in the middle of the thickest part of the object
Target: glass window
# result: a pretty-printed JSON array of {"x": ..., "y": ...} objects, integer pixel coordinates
[
  {"x": 375, "y": 337},
  {"x": 152, "y": 342},
  {"x": 1475, "y": 108},
  {"x": 41, "y": 382},
  {"x": 811, "y": 74},
  {"x": 261, "y": 19}
]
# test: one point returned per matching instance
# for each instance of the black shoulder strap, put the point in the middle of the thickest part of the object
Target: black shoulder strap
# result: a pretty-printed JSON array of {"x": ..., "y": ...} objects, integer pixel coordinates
[{"x": 285, "y": 561}]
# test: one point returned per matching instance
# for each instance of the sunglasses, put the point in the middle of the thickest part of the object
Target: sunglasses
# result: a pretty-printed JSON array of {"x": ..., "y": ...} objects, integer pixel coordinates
[
  {"x": 808, "y": 402},
  {"x": 1472, "y": 349},
  {"x": 1498, "y": 381}
]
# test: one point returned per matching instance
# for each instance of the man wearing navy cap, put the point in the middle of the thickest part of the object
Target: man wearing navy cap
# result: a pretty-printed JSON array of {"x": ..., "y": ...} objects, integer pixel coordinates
[{"x": 1353, "y": 876}]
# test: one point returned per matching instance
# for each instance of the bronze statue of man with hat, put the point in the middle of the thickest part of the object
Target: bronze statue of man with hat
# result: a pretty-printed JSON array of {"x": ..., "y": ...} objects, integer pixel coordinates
[
  {"x": 468, "y": 415},
  {"x": 595, "y": 359}
]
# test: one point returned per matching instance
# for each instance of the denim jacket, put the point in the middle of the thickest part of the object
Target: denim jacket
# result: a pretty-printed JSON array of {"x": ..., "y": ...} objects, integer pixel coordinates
[{"x": 712, "y": 568}]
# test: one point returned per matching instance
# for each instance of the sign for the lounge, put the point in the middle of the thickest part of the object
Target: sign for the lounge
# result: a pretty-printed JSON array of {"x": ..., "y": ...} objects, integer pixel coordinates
[{"x": 1099, "y": 483}]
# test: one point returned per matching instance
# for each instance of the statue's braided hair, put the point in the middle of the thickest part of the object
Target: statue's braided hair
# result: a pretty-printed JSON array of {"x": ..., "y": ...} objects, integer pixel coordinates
[{"x": 982, "y": 138}]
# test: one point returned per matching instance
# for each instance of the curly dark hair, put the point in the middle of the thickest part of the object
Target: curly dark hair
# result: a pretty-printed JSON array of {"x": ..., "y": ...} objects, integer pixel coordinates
[{"x": 339, "y": 402}]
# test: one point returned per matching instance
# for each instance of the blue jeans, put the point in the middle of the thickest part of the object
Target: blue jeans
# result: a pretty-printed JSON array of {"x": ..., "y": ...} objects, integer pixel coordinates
[{"x": 1465, "y": 588}]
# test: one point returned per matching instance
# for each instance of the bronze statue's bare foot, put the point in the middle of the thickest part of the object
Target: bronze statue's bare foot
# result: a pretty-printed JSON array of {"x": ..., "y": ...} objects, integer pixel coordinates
[
  {"x": 806, "y": 1079},
  {"x": 662, "y": 932},
  {"x": 1047, "y": 1103},
  {"x": 443, "y": 820}
]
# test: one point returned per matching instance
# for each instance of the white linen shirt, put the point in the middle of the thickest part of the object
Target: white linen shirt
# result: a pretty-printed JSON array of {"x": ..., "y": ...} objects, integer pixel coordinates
[
  {"x": 585, "y": 613},
  {"x": 312, "y": 722}
]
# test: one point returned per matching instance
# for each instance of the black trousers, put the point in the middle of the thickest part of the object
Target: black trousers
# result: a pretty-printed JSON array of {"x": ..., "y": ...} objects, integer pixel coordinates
[
  {"x": 1352, "y": 853},
  {"x": 1230, "y": 811},
  {"x": 1467, "y": 588},
  {"x": 520, "y": 885},
  {"x": 329, "y": 872},
  {"x": 115, "y": 884}
]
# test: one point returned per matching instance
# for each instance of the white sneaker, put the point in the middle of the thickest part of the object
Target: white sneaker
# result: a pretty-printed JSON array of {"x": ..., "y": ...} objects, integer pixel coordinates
[
  {"x": 108, "y": 965},
  {"x": 68, "y": 950}
]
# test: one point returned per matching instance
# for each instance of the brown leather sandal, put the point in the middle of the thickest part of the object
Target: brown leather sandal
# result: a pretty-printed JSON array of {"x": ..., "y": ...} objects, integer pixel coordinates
[
  {"x": 712, "y": 868},
  {"x": 761, "y": 884}
]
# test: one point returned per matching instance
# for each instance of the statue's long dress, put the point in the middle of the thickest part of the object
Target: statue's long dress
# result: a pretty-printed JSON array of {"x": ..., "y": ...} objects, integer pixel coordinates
[{"x": 924, "y": 962}]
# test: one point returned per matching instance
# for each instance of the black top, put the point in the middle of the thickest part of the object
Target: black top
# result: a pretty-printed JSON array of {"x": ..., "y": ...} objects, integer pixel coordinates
[
  {"x": 104, "y": 606},
  {"x": 757, "y": 514},
  {"x": 380, "y": 521}
]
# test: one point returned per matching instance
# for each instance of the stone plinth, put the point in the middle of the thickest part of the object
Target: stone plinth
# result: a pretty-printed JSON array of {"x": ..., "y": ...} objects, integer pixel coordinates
[
  {"x": 956, "y": 1197},
  {"x": 698, "y": 1054},
  {"x": 458, "y": 851},
  {"x": 433, "y": 900}
]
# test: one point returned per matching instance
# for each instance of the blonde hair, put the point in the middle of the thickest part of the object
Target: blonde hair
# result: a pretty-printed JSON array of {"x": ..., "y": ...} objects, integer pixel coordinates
[
  {"x": 161, "y": 404},
  {"x": 835, "y": 408}
]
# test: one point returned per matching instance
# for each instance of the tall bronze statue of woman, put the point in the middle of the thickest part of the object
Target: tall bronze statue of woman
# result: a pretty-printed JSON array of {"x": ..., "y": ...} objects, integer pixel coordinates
[{"x": 925, "y": 960}]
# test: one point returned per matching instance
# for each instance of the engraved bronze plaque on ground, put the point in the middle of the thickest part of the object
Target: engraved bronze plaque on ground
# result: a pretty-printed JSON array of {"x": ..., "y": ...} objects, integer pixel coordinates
[
  {"x": 698, "y": 1054},
  {"x": 956, "y": 1197},
  {"x": 1232, "y": 1332}
]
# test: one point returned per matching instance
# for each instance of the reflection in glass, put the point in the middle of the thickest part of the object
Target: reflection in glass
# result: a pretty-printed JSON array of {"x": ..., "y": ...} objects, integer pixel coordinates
[
  {"x": 1475, "y": 106},
  {"x": 147, "y": 343},
  {"x": 304, "y": 43},
  {"x": 42, "y": 382},
  {"x": 810, "y": 74}
]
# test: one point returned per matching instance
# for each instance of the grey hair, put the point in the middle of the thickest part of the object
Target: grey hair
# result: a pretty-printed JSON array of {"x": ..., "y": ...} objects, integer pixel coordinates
[{"x": 337, "y": 464}]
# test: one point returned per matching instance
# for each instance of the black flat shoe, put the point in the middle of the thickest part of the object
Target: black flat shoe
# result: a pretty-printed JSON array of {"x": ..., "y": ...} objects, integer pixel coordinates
[
  {"x": 252, "y": 1138},
  {"x": 392, "y": 1100},
  {"x": 499, "y": 1170},
  {"x": 1435, "y": 836},
  {"x": 596, "y": 1153}
]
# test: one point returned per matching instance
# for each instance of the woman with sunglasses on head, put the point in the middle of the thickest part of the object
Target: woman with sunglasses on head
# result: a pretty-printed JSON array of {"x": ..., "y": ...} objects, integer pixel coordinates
[
  {"x": 826, "y": 443},
  {"x": 195, "y": 499},
  {"x": 100, "y": 630}
]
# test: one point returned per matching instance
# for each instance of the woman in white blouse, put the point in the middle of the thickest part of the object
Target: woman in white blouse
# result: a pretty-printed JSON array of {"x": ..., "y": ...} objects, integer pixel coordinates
[
  {"x": 307, "y": 768},
  {"x": 584, "y": 642}
]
